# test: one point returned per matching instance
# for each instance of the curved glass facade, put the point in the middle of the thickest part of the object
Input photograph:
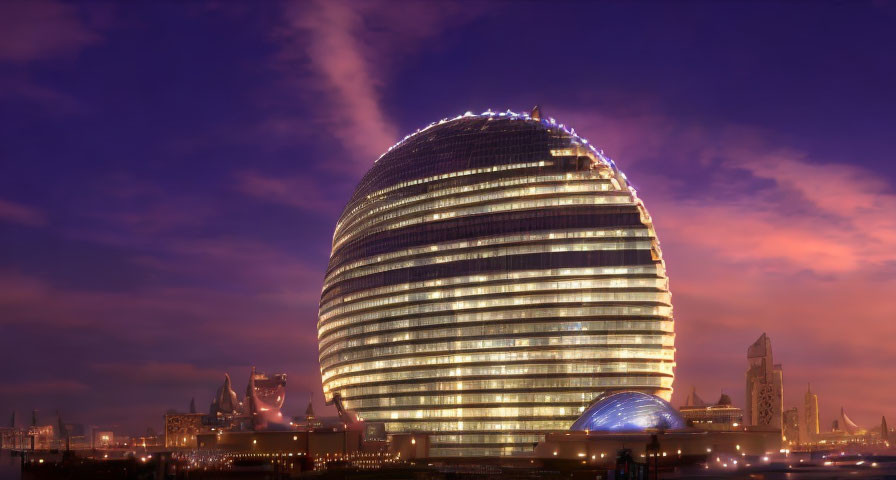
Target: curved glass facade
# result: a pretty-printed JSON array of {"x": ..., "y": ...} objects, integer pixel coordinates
[
  {"x": 490, "y": 277},
  {"x": 629, "y": 412}
]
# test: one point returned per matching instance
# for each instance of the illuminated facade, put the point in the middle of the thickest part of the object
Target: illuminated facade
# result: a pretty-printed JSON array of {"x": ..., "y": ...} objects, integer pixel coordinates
[
  {"x": 721, "y": 416},
  {"x": 181, "y": 429},
  {"x": 490, "y": 277}
]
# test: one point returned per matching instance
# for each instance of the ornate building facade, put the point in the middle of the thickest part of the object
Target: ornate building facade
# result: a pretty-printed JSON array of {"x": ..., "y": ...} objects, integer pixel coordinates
[{"x": 765, "y": 386}]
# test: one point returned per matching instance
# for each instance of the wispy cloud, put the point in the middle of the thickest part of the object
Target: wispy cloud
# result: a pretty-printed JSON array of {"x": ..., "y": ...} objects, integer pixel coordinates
[
  {"x": 168, "y": 374},
  {"x": 327, "y": 33},
  {"x": 345, "y": 51},
  {"x": 21, "y": 213},
  {"x": 41, "y": 30},
  {"x": 43, "y": 387},
  {"x": 303, "y": 192}
]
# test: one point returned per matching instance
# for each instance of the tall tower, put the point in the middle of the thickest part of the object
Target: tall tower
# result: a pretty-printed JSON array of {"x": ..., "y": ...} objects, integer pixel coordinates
[
  {"x": 810, "y": 414},
  {"x": 765, "y": 386}
]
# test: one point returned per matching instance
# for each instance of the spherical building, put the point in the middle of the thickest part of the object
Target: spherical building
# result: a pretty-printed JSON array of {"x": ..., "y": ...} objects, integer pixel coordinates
[
  {"x": 490, "y": 277},
  {"x": 629, "y": 411}
]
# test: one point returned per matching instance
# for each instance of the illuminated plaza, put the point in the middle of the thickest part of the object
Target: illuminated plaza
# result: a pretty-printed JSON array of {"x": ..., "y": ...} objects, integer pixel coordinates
[{"x": 490, "y": 277}]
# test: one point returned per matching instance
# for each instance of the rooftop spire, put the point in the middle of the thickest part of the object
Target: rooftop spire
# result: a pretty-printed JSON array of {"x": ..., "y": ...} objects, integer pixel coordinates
[{"x": 536, "y": 113}]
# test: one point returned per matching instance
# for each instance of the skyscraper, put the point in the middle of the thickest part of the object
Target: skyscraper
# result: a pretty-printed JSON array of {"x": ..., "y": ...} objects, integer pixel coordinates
[
  {"x": 490, "y": 277},
  {"x": 765, "y": 386},
  {"x": 810, "y": 415}
]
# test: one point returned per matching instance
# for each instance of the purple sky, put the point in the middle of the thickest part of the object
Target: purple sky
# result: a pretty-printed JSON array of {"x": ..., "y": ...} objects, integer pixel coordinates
[{"x": 170, "y": 174}]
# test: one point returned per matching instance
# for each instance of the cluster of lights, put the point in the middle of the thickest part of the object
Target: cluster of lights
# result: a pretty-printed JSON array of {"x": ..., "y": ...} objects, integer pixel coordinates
[
  {"x": 511, "y": 115},
  {"x": 360, "y": 460}
]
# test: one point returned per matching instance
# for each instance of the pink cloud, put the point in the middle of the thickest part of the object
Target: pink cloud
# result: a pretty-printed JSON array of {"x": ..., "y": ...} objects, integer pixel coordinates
[
  {"x": 346, "y": 49},
  {"x": 40, "y": 30},
  {"x": 759, "y": 238},
  {"x": 20, "y": 213},
  {"x": 21, "y": 88},
  {"x": 326, "y": 33},
  {"x": 299, "y": 191},
  {"x": 46, "y": 387},
  {"x": 168, "y": 374}
]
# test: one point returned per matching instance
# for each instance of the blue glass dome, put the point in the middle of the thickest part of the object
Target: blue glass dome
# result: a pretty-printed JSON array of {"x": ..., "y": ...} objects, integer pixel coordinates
[{"x": 629, "y": 412}]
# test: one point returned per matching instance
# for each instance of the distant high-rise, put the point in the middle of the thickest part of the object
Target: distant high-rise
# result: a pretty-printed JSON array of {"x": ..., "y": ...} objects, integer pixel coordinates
[
  {"x": 791, "y": 428},
  {"x": 884, "y": 431},
  {"x": 810, "y": 415},
  {"x": 765, "y": 386}
]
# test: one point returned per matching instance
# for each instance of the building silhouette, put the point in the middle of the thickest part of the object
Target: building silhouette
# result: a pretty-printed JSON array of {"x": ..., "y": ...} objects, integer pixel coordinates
[
  {"x": 810, "y": 415},
  {"x": 722, "y": 415},
  {"x": 791, "y": 426},
  {"x": 765, "y": 386},
  {"x": 846, "y": 424},
  {"x": 489, "y": 278}
]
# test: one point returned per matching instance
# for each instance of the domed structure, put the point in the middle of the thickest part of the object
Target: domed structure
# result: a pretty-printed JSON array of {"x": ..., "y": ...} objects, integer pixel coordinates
[
  {"x": 491, "y": 275},
  {"x": 629, "y": 411}
]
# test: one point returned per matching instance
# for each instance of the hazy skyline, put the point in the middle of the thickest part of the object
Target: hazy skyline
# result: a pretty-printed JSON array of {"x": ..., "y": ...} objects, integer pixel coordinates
[{"x": 170, "y": 175}]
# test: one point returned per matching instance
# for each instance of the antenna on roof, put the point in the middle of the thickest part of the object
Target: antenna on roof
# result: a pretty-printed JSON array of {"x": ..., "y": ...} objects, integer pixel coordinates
[{"x": 536, "y": 113}]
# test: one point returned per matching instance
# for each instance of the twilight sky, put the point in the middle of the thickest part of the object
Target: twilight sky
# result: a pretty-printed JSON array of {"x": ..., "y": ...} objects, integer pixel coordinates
[{"x": 170, "y": 174}]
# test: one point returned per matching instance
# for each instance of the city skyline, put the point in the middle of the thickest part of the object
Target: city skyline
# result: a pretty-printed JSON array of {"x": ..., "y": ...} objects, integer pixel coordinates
[{"x": 169, "y": 182}]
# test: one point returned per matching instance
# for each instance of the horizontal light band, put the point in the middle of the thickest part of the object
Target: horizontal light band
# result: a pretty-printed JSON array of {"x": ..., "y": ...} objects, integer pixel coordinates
[
  {"x": 606, "y": 273},
  {"x": 484, "y": 191},
  {"x": 598, "y": 350},
  {"x": 459, "y": 413},
  {"x": 499, "y": 384},
  {"x": 484, "y": 289},
  {"x": 444, "y": 176},
  {"x": 571, "y": 355},
  {"x": 620, "y": 311},
  {"x": 639, "y": 368},
  {"x": 544, "y": 324},
  {"x": 630, "y": 341},
  {"x": 439, "y": 200},
  {"x": 525, "y": 249},
  {"x": 564, "y": 398},
  {"x": 538, "y": 203},
  {"x": 333, "y": 276},
  {"x": 508, "y": 301},
  {"x": 519, "y": 332}
]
